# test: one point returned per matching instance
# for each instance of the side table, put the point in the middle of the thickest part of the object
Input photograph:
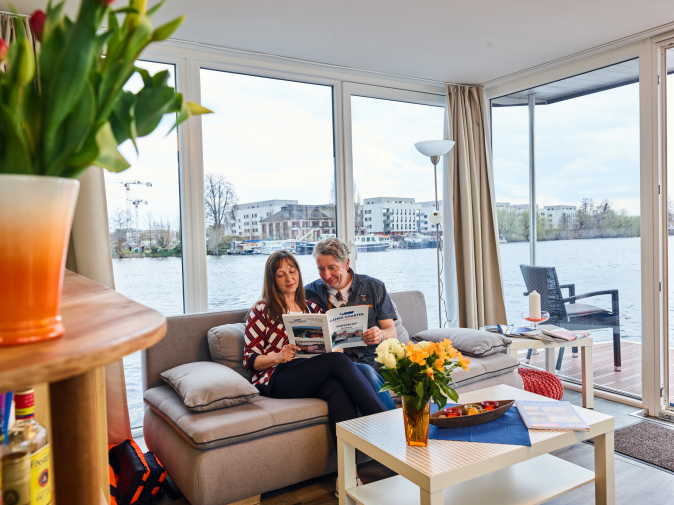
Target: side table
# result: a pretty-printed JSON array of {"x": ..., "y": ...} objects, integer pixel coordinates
[{"x": 585, "y": 344}]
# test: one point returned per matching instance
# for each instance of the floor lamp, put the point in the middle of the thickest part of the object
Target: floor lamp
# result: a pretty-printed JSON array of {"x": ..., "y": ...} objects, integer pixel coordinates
[{"x": 435, "y": 149}]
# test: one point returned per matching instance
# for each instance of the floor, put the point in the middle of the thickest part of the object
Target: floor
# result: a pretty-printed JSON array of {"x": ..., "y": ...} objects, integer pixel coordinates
[
  {"x": 628, "y": 379},
  {"x": 636, "y": 482}
]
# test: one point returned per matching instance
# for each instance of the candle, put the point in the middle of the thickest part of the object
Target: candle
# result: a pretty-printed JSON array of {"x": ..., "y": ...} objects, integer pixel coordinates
[{"x": 534, "y": 305}]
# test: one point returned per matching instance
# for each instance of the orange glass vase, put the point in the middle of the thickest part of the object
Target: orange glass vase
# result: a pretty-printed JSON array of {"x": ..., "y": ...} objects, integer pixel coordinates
[
  {"x": 416, "y": 422},
  {"x": 36, "y": 213}
]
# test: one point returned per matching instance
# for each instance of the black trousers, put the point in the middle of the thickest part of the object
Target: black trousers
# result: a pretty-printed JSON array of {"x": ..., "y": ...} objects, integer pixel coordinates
[{"x": 331, "y": 377}]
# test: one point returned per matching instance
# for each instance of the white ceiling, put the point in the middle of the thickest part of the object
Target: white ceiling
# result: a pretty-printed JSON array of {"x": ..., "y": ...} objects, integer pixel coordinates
[{"x": 441, "y": 40}]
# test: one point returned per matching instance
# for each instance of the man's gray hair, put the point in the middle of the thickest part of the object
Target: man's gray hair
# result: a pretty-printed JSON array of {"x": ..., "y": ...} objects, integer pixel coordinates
[{"x": 332, "y": 247}]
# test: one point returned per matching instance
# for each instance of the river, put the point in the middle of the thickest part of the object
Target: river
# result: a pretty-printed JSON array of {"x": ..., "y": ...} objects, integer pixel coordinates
[{"x": 235, "y": 282}]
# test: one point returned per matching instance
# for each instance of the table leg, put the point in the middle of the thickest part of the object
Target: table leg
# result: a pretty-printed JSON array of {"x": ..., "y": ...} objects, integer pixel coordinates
[
  {"x": 604, "y": 484},
  {"x": 550, "y": 359},
  {"x": 80, "y": 443},
  {"x": 587, "y": 376},
  {"x": 428, "y": 498},
  {"x": 346, "y": 471}
]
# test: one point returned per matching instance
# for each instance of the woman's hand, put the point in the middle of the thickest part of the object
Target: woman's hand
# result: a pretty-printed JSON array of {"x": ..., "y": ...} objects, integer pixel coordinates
[{"x": 287, "y": 353}]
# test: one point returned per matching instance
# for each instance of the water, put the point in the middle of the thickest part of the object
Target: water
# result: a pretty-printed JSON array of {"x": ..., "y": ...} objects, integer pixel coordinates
[{"x": 235, "y": 282}]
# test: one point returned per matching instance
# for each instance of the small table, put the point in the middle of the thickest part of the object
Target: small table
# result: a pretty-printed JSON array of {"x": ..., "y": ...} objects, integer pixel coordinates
[
  {"x": 585, "y": 344},
  {"x": 450, "y": 473}
]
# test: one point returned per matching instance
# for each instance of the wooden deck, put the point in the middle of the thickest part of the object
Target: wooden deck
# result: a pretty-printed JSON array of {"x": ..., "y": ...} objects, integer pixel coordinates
[{"x": 627, "y": 380}]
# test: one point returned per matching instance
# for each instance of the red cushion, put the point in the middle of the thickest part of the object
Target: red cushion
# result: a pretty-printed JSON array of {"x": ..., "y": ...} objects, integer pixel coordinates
[{"x": 542, "y": 383}]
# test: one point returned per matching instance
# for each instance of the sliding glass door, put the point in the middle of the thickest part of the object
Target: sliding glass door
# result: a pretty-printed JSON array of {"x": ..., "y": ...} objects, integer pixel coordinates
[{"x": 583, "y": 183}]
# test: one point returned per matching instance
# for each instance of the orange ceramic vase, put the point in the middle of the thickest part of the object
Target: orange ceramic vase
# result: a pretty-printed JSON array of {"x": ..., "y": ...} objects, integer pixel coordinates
[
  {"x": 416, "y": 422},
  {"x": 36, "y": 213}
]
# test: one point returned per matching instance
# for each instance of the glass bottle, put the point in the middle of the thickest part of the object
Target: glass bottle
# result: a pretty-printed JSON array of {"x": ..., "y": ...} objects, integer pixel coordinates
[{"x": 28, "y": 433}]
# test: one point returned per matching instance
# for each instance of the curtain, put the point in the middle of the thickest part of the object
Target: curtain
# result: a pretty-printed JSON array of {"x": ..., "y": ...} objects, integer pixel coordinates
[{"x": 478, "y": 274}]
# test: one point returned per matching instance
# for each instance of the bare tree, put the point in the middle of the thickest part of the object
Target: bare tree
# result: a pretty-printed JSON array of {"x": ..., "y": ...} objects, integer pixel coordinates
[{"x": 219, "y": 200}]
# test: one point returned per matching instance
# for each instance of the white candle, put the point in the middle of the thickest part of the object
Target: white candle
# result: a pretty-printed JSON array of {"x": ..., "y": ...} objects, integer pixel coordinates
[{"x": 534, "y": 305}]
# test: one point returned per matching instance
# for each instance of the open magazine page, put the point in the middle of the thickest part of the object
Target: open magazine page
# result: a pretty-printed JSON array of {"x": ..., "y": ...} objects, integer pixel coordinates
[
  {"x": 310, "y": 332},
  {"x": 346, "y": 325}
]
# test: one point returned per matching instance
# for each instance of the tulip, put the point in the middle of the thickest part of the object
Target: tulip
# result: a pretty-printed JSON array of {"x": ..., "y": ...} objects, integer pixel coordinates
[
  {"x": 106, "y": 2},
  {"x": 36, "y": 22},
  {"x": 4, "y": 48}
]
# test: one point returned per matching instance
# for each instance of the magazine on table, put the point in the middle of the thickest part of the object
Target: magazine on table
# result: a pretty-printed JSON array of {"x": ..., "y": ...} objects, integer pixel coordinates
[
  {"x": 550, "y": 415},
  {"x": 562, "y": 333},
  {"x": 512, "y": 331},
  {"x": 338, "y": 328}
]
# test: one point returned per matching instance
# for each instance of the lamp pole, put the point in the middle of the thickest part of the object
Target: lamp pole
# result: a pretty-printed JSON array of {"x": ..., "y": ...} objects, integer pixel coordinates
[{"x": 435, "y": 160}]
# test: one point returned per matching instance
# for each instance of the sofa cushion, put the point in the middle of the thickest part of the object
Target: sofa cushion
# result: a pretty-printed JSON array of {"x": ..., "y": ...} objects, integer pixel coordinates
[
  {"x": 470, "y": 342},
  {"x": 205, "y": 385},
  {"x": 260, "y": 417},
  {"x": 484, "y": 368},
  {"x": 225, "y": 343}
]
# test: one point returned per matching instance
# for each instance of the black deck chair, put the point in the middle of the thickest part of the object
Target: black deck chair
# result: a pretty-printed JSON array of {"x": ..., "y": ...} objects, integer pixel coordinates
[{"x": 565, "y": 312}]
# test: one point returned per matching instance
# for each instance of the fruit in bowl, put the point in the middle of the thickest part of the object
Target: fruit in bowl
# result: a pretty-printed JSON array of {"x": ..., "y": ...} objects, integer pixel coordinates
[{"x": 469, "y": 414}]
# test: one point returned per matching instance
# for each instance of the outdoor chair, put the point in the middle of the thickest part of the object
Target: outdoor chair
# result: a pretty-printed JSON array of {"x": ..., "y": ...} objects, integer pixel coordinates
[{"x": 565, "y": 312}]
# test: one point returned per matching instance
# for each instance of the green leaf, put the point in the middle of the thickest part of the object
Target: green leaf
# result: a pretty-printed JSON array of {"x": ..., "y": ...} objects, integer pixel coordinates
[
  {"x": 197, "y": 110},
  {"x": 108, "y": 155},
  {"x": 16, "y": 156},
  {"x": 155, "y": 8},
  {"x": 166, "y": 30},
  {"x": 453, "y": 394}
]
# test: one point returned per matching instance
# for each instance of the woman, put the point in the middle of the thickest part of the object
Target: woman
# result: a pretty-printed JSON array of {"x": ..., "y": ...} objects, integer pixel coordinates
[{"x": 276, "y": 372}]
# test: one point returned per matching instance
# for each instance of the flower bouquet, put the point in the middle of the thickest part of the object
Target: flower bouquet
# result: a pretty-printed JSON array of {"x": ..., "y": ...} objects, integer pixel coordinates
[{"x": 419, "y": 372}]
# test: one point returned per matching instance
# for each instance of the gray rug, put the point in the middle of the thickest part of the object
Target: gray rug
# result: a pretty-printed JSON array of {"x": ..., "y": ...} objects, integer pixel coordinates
[{"x": 649, "y": 442}]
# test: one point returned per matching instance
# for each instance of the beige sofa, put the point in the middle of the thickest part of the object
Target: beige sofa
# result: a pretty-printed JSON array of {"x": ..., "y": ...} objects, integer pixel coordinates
[{"x": 225, "y": 455}]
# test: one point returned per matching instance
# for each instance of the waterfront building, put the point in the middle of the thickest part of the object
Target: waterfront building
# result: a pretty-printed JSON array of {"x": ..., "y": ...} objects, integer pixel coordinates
[
  {"x": 248, "y": 216},
  {"x": 300, "y": 222},
  {"x": 559, "y": 215}
]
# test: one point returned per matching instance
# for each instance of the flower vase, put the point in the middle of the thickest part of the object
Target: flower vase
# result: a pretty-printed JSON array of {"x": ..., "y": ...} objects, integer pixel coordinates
[
  {"x": 416, "y": 421},
  {"x": 36, "y": 213}
]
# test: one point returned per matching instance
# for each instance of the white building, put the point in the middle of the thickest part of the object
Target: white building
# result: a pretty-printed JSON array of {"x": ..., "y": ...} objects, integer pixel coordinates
[
  {"x": 559, "y": 215},
  {"x": 248, "y": 216},
  {"x": 395, "y": 215}
]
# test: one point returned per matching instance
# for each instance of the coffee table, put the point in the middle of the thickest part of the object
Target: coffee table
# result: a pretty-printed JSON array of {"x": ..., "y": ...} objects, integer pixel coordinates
[
  {"x": 587, "y": 382},
  {"x": 470, "y": 473}
]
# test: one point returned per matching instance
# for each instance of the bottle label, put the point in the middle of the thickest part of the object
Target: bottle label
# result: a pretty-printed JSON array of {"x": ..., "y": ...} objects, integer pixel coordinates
[
  {"x": 24, "y": 404},
  {"x": 16, "y": 478},
  {"x": 40, "y": 477}
]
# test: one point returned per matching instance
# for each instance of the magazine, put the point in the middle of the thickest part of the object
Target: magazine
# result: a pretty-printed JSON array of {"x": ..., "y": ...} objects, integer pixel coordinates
[
  {"x": 562, "y": 333},
  {"x": 336, "y": 329},
  {"x": 512, "y": 331},
  {"x": 550, "y": 415}
]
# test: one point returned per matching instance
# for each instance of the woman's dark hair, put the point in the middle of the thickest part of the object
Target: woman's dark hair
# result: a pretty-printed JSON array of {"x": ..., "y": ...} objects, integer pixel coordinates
[{"x": 270, "y": 293}]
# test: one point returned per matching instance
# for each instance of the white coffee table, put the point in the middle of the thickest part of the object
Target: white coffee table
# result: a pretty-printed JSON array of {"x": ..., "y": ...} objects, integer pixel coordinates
[
  {"x": 585, "y": 344},
  {"x": 470, "y": 473}
]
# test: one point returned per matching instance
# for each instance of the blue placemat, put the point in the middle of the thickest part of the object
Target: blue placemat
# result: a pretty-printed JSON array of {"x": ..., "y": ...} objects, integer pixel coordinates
[{"x": 508, "y": 429}]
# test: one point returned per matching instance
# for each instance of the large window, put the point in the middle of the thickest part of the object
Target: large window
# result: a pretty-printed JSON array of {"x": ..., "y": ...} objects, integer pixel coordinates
[
  {"x": 268, "y": 179},
  {"x": 144, "y": 225},
  {"x": 587, "y": 206},
  {"x": 394, "y": 194}
]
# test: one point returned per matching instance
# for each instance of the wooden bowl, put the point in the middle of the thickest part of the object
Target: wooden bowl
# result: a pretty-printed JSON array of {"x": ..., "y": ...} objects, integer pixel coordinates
[{"x": 463, "y": 421}]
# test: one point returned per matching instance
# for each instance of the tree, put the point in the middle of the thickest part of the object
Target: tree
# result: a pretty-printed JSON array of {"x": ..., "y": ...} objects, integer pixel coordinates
[{"x": 219, "y": 200}]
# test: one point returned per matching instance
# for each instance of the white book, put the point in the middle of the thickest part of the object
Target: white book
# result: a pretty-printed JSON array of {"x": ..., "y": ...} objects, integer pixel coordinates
[
  {"x": 338, "y": 328},
  {"x": 550, "y": 415}
]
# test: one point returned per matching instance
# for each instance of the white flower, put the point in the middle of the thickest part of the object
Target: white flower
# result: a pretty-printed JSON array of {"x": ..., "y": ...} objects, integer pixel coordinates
[
  {"x": 389, "y": 351},
  {"x": 389, "y": 361}
]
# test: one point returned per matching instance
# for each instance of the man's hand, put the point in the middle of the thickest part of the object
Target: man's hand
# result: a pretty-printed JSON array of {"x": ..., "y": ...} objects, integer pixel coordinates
[
  {"x": 373, "y": 336},
  {"x": 287, "y": 353}
]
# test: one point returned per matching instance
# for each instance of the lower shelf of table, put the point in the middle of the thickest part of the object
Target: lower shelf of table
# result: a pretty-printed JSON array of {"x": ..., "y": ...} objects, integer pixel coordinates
[{"x": 531, "y": 482}]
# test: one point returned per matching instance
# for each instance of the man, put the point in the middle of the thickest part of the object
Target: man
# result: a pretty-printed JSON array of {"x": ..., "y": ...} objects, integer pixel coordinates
[{"x": 340, "y": 286}]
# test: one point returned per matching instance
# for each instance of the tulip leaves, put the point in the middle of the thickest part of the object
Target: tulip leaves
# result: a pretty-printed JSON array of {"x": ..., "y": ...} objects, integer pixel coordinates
[{"x": 69, "y": 110}]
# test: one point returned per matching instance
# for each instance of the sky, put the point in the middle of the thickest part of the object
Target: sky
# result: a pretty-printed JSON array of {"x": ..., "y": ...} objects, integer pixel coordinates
[
  {"x": 585, "y": 147},
  {"x": 273, "y": 139}
]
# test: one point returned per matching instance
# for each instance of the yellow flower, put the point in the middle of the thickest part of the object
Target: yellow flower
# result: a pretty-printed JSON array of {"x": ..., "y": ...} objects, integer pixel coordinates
[
  {"x": 439, "y": 364},
  {"x": 429, "y": 373},
  {"x": 464, "y": 362}
]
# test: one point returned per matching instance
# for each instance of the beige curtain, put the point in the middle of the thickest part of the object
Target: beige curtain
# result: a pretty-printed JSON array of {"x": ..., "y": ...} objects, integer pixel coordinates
[
  {"x": 478, "y": 274},
  {"x": 89, "y": 255}
]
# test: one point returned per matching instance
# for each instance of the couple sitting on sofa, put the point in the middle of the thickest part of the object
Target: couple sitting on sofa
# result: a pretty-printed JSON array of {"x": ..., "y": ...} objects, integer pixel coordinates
[{"x": 347, "y": 381}]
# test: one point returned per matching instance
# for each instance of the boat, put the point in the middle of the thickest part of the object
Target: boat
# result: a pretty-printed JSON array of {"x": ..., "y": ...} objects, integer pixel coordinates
[
  {"x": 271, "y": 246},
  {"x": 417, "y": 241},
  {"x": 371, "y": 242},
  {"x": 304, "y": 247}
]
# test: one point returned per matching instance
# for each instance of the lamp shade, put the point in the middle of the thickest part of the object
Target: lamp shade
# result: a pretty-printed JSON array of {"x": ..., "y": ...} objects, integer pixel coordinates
[{"x": 434, "y": 147}]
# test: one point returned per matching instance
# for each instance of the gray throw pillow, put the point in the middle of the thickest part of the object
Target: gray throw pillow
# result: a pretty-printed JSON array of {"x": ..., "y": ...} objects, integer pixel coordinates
[
  {"x": 204, "y": 385},
  {"x": 225, "y": 344},
  {"x": 470, "y": 342}
]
